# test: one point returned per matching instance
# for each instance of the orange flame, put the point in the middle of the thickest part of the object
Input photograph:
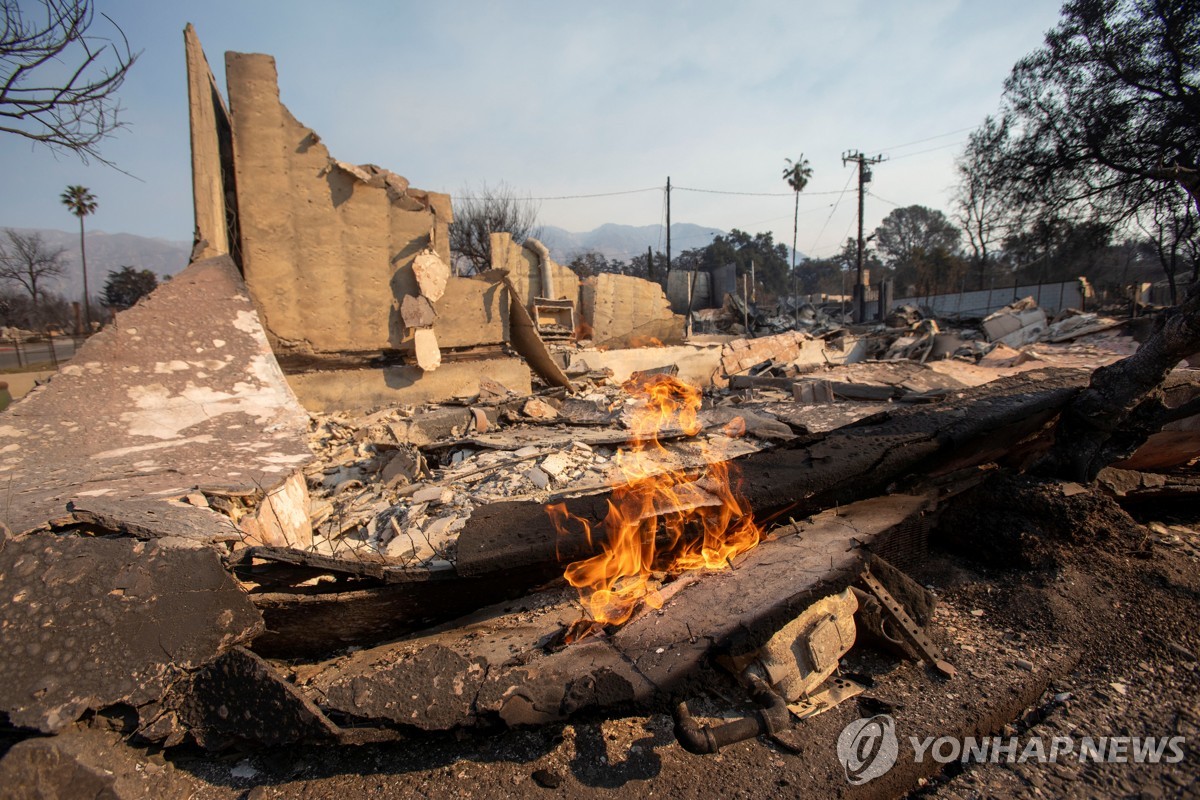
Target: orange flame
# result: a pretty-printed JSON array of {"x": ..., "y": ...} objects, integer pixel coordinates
[
  {"x": 646, "y": 341},
  {"x": 658, "y": 521}
]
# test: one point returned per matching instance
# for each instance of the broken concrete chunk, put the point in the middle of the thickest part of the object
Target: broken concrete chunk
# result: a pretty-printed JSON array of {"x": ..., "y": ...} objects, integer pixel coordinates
[
  {"x": 537, "y": 477},
  {"x": 240, "y": 698},
  {"x": 812, "y": 391},
  {"x": 91, "y": 764},
  {"x": 427, "y": 427},
  {"x": 555, "y": 464},
  {"x": 153, "y": 519},
  {"x": 1017, "y": 324},
  {"x": 491, "y": 391},
  {"x": 92, "y": 622},
  {"x": 432, "y": 273},
  {"x": 403, "y": 467},
  {"x": 184, "y": 392},
  {"x": 433, "y": 494},
  {"x": 429, "y": 357},
  {"x": 433, "y": 689},
  {"x": 536, "y": 408},
  {"x": 417, "y": 311}
]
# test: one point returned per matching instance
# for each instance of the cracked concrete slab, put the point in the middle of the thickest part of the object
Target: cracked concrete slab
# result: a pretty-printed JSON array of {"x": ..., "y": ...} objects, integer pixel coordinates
[
  {"x": 181, "y": 391},
  {"x": 91, "y": 622}
]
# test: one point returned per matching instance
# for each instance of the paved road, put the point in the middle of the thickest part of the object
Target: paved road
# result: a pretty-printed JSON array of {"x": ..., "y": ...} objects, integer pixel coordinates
[{"x": 34, "y": 352}]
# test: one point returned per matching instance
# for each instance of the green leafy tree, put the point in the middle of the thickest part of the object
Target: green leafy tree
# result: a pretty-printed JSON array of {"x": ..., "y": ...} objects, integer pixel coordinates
[
  {"x": 917, "y": 244},
  {"x": 769, "y": 260},
  {"x": 127, "y": 285},
  {"x": 81, "y": 202},
  {"x": 1056, "y": 248},
  {"x": 797, "y": 174},
  {"x": 1104, "y": 115}
]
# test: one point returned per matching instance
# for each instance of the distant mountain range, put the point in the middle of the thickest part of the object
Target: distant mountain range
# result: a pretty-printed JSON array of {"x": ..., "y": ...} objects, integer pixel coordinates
[
  {"x": 108, "y": 252},
  {"x": 624, "y": 241}
]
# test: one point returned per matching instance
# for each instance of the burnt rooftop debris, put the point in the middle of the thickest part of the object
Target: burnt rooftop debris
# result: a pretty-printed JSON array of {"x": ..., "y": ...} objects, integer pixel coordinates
[{"x": 376, "y": 522}]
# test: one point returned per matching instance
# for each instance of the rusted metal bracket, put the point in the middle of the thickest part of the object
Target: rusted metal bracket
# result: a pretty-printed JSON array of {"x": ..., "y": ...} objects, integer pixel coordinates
[{"x": 909, "y": 631}]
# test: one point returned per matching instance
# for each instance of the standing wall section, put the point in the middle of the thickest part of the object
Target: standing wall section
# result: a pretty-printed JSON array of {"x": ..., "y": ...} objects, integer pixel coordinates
[{"x": 327, "y": 247}]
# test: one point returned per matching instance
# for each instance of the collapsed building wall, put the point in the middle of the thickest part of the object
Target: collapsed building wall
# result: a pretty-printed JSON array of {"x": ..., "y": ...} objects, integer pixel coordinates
[
  {"x": 327, "y": 247},
  {"x": 625, "y": 311}
]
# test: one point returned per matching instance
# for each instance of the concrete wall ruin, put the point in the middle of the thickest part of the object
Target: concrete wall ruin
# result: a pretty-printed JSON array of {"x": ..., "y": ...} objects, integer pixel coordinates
[
  {"x": 625, "y": 311},
  {"x": 347, "y": 262},
  {"x": 214, "y": 199},
  {"x": 327, "y": 247}
]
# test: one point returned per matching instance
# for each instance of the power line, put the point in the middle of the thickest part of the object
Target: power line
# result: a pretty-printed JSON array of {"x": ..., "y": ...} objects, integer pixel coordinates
[
  {"x": 931, "y": 149},
  {"x": 749, "y": 194},
  {"x": 926, "y": 139},
  {"x": 577, "y": 196},
  {"x": 884, "y": 199},
  {"x": 831, "y": 213}
]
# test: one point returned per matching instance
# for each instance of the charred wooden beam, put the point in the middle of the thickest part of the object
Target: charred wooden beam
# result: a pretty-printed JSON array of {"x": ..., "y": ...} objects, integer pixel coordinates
[
  {"x": 1123, "y": 402},
  {"x": 807, "y": 474},
  {"x": 499, "y": 663}
]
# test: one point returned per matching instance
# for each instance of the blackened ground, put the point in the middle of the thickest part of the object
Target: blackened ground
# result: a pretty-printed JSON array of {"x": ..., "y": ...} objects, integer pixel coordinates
[{"x": 1106, "y": 623}]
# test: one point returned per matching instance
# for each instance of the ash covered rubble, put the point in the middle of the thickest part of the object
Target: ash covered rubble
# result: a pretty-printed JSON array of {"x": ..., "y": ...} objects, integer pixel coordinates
[{"x": 293, "y": 533}]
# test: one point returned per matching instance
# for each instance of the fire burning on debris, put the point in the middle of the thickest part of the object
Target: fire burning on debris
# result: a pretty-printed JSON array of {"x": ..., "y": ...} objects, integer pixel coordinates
[{"x": 658, "y": 521}]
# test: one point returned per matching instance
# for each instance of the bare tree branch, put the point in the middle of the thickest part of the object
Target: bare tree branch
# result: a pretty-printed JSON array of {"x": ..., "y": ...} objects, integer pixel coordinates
[
  {"x": 58, "y": 82},
  {"x": 26, "y": 260},
  {"x": 479, "y": 214}
]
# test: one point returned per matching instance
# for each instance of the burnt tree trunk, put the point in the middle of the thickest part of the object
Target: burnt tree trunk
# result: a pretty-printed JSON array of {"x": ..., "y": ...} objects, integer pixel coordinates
[{"x": 1123, "y": 403}]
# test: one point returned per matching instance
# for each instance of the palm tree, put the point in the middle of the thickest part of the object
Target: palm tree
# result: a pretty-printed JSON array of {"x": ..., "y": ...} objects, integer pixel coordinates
[
  {"x": 80, "y": 201},
  {"x": 796, "y": 173}
]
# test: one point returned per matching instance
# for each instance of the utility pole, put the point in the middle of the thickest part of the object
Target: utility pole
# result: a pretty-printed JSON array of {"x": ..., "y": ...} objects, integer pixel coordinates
[
  {"x": 864, "y": 177},
  {"x": 668, "y": 222}
]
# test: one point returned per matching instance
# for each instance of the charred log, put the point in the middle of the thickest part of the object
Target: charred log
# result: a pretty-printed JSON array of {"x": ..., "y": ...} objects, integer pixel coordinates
[{"x": 1123, "y": 405}]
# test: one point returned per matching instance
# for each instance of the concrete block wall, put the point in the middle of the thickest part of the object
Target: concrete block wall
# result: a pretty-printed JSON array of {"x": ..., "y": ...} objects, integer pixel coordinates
[
  {"x": 326, "y": 247},
  {"x": 625, "y": 311}
]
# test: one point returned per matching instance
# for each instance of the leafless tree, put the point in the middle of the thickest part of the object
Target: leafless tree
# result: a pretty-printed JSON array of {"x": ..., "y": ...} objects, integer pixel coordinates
[
  {"x": 27, "y": 260},
  {"x": 479, "y": 214},
  {"x": 980, "y": 206},
  {"x": 58, "y": 80}
]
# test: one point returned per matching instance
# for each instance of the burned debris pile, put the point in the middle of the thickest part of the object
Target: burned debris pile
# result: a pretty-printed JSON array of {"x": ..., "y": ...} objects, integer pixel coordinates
[{"x": 450, "y": 502}]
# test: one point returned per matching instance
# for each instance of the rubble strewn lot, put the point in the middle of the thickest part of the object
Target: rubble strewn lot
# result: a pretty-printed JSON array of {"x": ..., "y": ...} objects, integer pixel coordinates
[
  {"x": 379, "y": 627},
  {"x": 523, "y": 531}
]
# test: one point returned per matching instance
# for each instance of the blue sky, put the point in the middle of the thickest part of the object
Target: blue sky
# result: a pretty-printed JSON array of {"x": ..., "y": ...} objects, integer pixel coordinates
[{"x": 568, "y": 98}]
